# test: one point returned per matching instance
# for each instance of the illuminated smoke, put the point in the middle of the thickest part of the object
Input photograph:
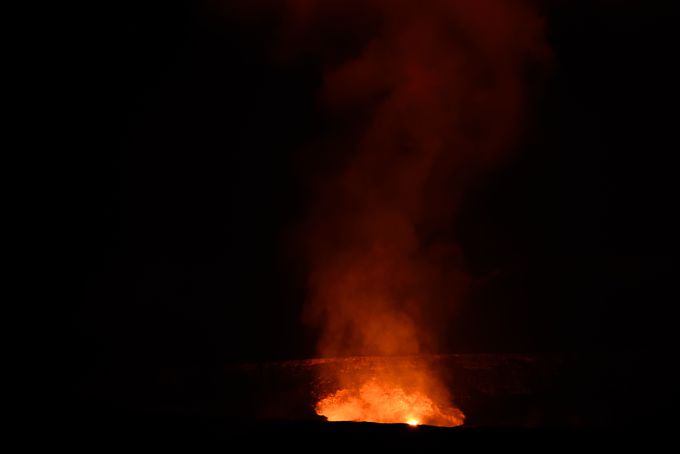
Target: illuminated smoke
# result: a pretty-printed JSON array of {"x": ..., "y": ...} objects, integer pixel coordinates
[
  {"x": 428, "y": 95},
  {"x": 423, "y": 97}
]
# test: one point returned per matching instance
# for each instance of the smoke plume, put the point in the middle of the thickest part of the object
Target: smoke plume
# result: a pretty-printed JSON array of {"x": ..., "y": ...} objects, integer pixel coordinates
[
  {"x": 425, "y": 97},
  {"x": 418, "y": 100}
]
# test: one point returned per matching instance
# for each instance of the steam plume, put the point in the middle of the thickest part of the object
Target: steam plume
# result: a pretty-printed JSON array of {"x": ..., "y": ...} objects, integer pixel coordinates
[
  {"x": 428, "y": 95},
  {"x": 422, "y": 97}
]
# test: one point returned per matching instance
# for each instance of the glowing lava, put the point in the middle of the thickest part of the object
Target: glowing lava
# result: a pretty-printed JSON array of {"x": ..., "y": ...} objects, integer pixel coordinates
[{"x": 386, "y": 403}]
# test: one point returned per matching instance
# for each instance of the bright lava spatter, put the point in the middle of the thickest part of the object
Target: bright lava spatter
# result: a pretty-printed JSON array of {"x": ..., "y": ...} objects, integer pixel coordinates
[{"x": 385, "y": 403}]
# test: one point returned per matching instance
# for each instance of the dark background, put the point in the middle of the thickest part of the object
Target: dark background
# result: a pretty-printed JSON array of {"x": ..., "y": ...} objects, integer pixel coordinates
[{"x": 184, "y": 186}]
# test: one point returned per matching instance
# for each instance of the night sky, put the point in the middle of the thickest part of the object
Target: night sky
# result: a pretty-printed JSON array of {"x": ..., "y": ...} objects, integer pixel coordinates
[{"x": 187, "y": 183}]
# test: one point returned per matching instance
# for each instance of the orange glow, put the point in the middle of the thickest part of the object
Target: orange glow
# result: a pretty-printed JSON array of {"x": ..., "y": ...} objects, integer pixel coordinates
[
  {"x": 385, "y": 402},
  {"x": 425, "y": 98}
]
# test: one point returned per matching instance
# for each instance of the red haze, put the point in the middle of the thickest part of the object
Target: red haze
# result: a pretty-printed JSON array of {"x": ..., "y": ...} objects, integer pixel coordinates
[
  {"x": 429, "y": 95},
  {"x": 423, "y": 97}
]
